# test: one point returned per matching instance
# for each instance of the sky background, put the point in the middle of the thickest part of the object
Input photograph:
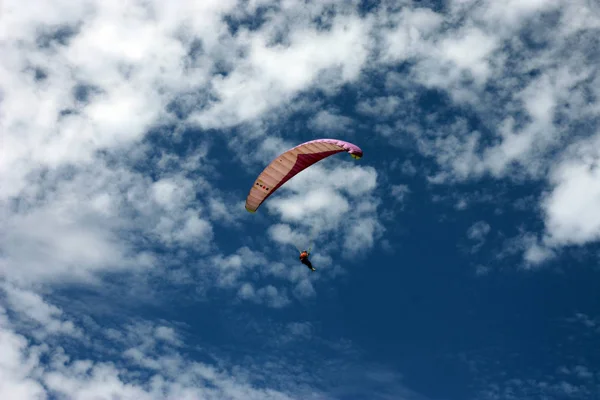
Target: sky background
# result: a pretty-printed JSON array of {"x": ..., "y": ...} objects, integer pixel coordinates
[{"x": 457, "y": 260}]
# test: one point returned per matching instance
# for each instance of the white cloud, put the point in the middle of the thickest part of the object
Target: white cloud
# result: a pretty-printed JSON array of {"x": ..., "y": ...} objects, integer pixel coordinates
[
  {"x": 524, "y": 96},
  {"x": 400, "y": 192},
  {"x": 540, "y": 99},
  {"x": 362, "y": 235},
  {"x": 18, "y": 366},
  {"x": 320, "y": 201},
  {"x": 469, "y": 51},
  {"x": 300, "y": 329},
  {"x": 71, "y": 227},
  {"x": 128, "y": 79},
  {"x": 227, "y": 271},
  {"x": 412, "y": 28},
  {"x": 512, "y": 13},
  {"x": 283, "y": 233},
  {"x": 304, "y": 289},
  {"x": 55, "y": 242},
  {"x": 329, "y": 122},
  {"x": 167, "y": 334},
  {"x": 407, "y": 167},
  {"x": 48, "y": 319},
  {"x": 268, "y": 295},
  {"x": 572, "y": 207},
  {"x": 379, "y": 107},
  {"x": 171, "y": 194},
  {"x": 272, "y": 74},
  {"x": 536, "y": 254},
  {"x": 327, "y": 203},
  {"x": 525, "y": 75},
  {"x": 478, "y": 231},
  {"x": 482, "y": 270},
  {"x": 31, "y": 371}
]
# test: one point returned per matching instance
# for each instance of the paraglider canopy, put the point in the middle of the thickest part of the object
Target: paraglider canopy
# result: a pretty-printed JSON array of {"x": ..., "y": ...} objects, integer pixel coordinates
[{"x": 288, "y": 164}]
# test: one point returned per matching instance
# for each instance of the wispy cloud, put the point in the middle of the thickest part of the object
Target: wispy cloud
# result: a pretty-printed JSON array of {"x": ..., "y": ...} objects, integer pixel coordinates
[
  {"x": 400, "y": 192},
  {"x": 338, "y": 201},
  {"x": 328, "y": 122},
  {"x": 153, "y": 360},
  {"x": 478, "y": 233},
  {"x": 571, "y": 378},
  {"x": 42, "y": 318}
]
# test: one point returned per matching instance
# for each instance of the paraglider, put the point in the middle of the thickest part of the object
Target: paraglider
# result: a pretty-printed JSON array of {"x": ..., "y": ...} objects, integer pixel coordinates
[
  {"x": 304, "y": 259},
  {"x": 288, "y": 164}
]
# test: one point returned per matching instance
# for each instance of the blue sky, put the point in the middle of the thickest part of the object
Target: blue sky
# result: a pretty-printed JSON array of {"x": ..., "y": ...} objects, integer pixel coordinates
[{"x": 457, "y": 260}]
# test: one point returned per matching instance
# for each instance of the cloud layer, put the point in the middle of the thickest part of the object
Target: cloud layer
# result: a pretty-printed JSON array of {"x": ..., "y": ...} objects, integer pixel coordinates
[{"x": 112, "y": 171}]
